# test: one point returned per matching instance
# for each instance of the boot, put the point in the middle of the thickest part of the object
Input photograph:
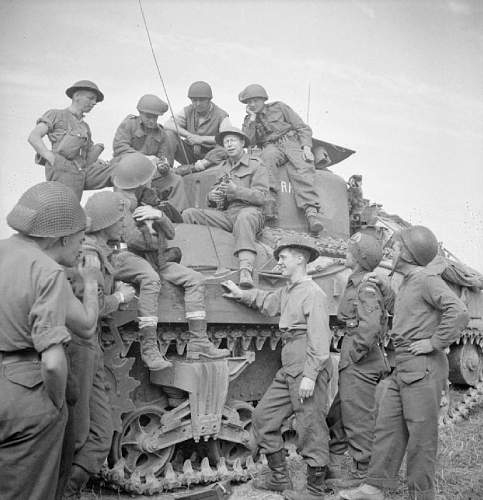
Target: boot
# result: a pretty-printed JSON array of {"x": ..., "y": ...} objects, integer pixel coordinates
[
  {"x": 334, "y": 469},
  {"x": 363, "y": 492},
  {"x": 247, "y": 259},
  {"x": 355, "y": 476},
  {"x": 277, "y": 479},
  {"x": 315, "y": 488},
  {"x": 271, "y": 210},
  {"x": 150, "y": 354},
  {"x": 77, "y": 480},
  {"x": 200, "y": 345},
  {"x": 313, "y": 219}
]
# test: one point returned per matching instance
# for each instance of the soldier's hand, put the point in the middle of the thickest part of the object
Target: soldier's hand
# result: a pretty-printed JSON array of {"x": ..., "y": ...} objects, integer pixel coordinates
[
  {"x": 89, "y": 268},
  {"x": 128, "y": 291},
  {"x": 306, "y": 388},
  {"x": 307, "y": 154},
  {"x": 228, "y": 187},
  {"x": 193, "y": 139},
  {"x": 216, "y": 195},
  {"x": 422, "y": 346},
  {"x": 201, "y": 165},
  {"x": 146, "y": 212},
  {"x": 49, "y": 157},
  {"x": 99, "y": 147},
  {"x": 252, "y": 116},
  {"x": 234, "y": 291}
]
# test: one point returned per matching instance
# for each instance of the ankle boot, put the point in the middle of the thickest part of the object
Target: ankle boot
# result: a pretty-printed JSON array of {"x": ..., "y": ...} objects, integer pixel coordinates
[
  {"x": 277, "y": 479},
  {"x": 247, "y": 259},
  {"x": 200, "y": 345},
  {"x": 271, "y": 210},
  {"x": 150, "y": 354},
  {"x": 356, "y": 475},
  {"x": 334, "y": 469},
  {"x": 315, "y": 488},
  {"x": 246, "y": 279},
  {"x": 313, "y": 219},
  {"x": 77, "y": 480}
]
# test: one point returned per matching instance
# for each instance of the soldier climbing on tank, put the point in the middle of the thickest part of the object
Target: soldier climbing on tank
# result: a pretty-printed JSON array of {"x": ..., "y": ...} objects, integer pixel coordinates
[
  {"x": 428, "y": 318},
  {"x": 147, "y": 231},
  {"x": 193, "y": 130},
  {"x": 301, "y": 385},
  {"x": 239, "y": 195},
  {"x": 283, "y": 137},
  {"x": 74, "y": 158},
  {"x": 362, "y": 362},
  {"x": 143, "y": 133},
  {"x": 35, "y": 295}
]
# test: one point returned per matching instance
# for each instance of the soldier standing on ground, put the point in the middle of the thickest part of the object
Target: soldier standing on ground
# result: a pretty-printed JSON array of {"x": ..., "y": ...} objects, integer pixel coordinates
[
  {"x": 74, "y": 158},
  {"x": 198, "y": 125},
  {"x": 143, "y": 133},
  {"x": 33, "y": 366},
  {"x": 239, "y": 195},
  {"x": 283, "y": 136},
  {"x": 427, "y": 319},
  {"x": 301, "y": 385},
  {"x": 362, "y": 361}
]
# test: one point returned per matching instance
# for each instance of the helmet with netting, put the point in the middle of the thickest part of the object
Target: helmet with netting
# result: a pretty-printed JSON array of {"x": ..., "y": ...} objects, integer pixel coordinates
[{"x": 105, "y": 209}]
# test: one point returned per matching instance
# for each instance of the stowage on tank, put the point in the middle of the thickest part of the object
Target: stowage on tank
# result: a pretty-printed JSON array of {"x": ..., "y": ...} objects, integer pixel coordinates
[{"x": 191, "y": 423}]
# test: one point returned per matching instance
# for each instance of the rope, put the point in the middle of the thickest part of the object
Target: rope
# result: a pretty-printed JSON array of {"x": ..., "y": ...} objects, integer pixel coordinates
[{"x": 162, "y": 79}]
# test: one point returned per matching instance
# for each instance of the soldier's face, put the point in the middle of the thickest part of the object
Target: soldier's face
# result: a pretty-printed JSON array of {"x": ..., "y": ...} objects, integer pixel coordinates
[
  {"x": 255, "y": 104},
  {"x": 85, "y": 100},
  {"x": 201, "y": 104},
  {"x": 289, "y": 262},
  {"x": 233, "y": 145},
  {"x": 71, "y": 249},
  {"x": 149, "y": 120}
]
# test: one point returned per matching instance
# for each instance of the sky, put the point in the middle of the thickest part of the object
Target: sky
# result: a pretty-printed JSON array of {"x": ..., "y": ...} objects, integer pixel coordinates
[{"x": 400, "y": 82}]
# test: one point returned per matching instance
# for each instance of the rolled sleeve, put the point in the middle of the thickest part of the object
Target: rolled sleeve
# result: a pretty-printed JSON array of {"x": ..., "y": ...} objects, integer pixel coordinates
[
  {"x": 49, "y": 118},
  {"x": 266, "y": 302}
]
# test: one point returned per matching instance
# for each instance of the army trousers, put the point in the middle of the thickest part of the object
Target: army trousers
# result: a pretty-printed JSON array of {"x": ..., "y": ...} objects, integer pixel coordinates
[
  {"x": 245, "y": 222},
  {"x": 131, "y": 268},
  {"x": 185, "y": 153},
  {"x": 193, "y": 283},
  {"x": 170, "y": 187},
  {"x": 281, "y": 401},
  {"x": 301, "y": 173},
  {"x": 95, "y": 176},
  {"x": 31, "y": 432},
  {"x": 407, "y": 422}
]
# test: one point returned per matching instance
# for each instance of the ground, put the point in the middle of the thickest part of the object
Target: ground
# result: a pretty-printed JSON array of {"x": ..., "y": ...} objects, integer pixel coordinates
[{"x": 459, "y": 469}]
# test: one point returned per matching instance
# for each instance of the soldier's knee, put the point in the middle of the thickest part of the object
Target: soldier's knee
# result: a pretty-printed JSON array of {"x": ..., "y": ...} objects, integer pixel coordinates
[
  {"x": 151, "y": 280},
  {"x": 188, "y": 215}
]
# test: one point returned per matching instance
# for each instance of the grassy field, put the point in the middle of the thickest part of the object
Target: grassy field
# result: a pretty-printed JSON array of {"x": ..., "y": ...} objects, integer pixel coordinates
[{"x": 459, "y": 469}]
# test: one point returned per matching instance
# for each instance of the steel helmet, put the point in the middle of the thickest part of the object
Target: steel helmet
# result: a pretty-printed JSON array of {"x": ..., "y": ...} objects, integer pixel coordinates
[
  {"x": 232, "y": 131},
  {"x": 366, "y": 250},
  {"x": 420, "y": 243},
  {"x": 47, "y": 210},
  {"x": 297, "y": 242},
  {"x": 150, "y": 103},
  {"x": 200, "y": 90},
  {"x": 132, "y": 171},
  {"x": 85, "y": 85},
  {"x": 104, "y": 209},
  {"x": 253, "y": 90}
]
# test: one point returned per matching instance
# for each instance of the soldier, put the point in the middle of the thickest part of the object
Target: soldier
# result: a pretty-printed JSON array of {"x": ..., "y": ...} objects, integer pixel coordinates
[
  {"x": 92, "y": 424},
  {"x": 33, "y": 366},
  {"x": 239, "y": 195},
  {"x": 197, "y": 125},
  {"x": 143, "y": 133},
  {"x": 283, "y": 136},
  {"x": 74, "y": 159},
  {"x": 301, "y": 385},
  {"x": 428, "y": 318},
  {"x": 146, "y": 233},
  {"x": 362, "y": 360}
]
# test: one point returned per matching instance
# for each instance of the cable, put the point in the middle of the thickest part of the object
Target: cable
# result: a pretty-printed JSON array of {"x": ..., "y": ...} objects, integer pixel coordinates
[{"x": 162, "y": 79}]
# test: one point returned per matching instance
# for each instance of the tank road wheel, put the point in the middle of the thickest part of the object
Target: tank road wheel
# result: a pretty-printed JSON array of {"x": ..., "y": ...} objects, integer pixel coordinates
[
  {"x": 132, "y": 443},
  {"x": 465, "y": 364},
  {"x": 228, "y": 449}
]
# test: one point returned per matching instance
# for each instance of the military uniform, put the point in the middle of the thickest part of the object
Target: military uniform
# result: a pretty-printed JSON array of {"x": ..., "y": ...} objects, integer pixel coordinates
[
  {"x": 362, "y": 365},
  {"x": 242, "y": 212},
  {"x": 132, "y": 136},
  {"x": 197, "y": 124},
  {"x": 281, "y": 134},
  {"x": 32, "y": 319},
  {"x": 407, "y": 421},
  {"x": 71, "y": 141},
  {"x": 302, "y": 307}
]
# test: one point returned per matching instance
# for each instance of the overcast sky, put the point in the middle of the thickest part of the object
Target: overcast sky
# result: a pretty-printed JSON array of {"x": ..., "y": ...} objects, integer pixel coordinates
[{"x": 399, "y": 81}]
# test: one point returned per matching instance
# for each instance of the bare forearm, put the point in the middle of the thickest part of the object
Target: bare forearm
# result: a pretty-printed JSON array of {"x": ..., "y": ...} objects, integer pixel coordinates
[
  {"x": 36, "y": 141},
  {"x": 82, "y": 316},
  {"x": 54, "y": 373}
]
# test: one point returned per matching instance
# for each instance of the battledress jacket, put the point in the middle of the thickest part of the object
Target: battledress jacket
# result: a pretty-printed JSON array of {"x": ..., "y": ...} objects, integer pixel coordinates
[{"x": 304, "y": 323}]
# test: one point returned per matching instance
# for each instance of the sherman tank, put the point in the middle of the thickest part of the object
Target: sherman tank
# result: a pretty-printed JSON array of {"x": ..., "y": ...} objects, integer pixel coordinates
[{"x": 191, "y": 423}]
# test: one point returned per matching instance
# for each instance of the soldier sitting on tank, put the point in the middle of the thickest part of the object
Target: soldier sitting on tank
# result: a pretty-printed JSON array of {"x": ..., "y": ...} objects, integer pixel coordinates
[
  {"x": 239, "y": 195},
  {"x": 193, "y": 130},
  {"x": 74, "y": 159},
  {"x": 283, "y": 137},
  {"x": 143, "y": 133},
  {"x": 301, "y": 385},
  {"x": 147, "y": 231}
]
